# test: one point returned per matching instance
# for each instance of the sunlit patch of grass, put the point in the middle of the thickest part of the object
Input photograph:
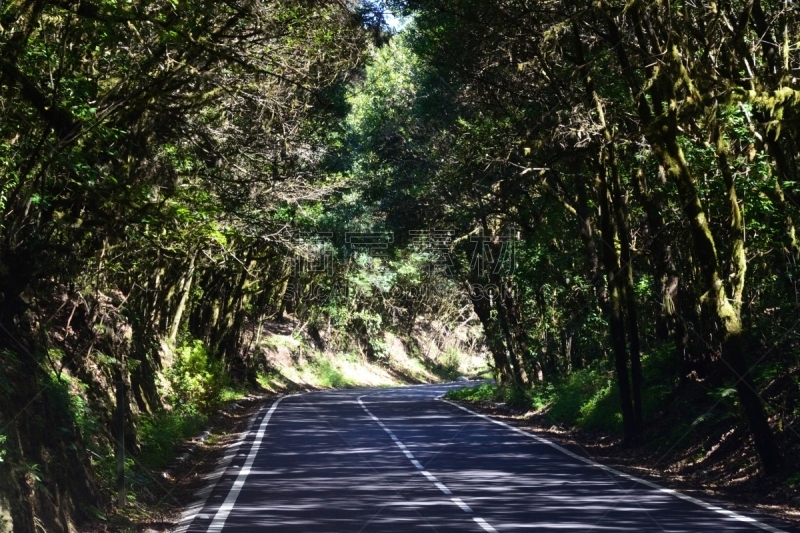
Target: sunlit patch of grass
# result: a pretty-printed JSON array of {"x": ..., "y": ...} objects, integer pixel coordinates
[
  {"x": 297, "y": 363},
  {"x": 484, "y": 392},
  {"x": 233, "y": 394},
  {"x": 329, "y": 376},
  {"x": 272, "y": 381},
  {"x": 587, "y": 398},
  {"x": 275, "y": 342}
]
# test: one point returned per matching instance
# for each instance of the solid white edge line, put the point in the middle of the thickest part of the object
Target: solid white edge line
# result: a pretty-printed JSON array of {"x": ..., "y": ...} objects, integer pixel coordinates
[
  {"x": 193, "y": 510},
  {"x": 227, "y": 506},
  {"x": 707, "y": 506}
]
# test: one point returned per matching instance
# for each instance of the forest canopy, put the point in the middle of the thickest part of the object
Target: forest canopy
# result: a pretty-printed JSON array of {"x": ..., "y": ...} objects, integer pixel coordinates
[{"x": 608, "y": 189}]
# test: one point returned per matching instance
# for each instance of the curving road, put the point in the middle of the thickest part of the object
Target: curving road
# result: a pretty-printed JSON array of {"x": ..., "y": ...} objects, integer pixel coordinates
[{"x": 399, "y": 460}]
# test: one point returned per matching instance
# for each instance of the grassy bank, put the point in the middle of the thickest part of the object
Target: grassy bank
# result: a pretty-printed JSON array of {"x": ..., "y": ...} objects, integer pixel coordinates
[{"x": 587, "y": 398}]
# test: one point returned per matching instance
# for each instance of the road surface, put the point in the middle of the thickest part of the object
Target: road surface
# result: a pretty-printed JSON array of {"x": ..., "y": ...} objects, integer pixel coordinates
[{"x": 401, "y": 460}]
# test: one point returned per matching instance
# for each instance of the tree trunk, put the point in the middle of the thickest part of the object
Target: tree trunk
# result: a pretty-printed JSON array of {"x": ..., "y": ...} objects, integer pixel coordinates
[
  {"x": 185, "y": 291},
  {"x": 727, "y": 312},
  {"x": 502, "y": 365},
  {"x": 620, "y": 282},
  {"x": 615, "y": 319},
  {"x": 626, "y": 285}
]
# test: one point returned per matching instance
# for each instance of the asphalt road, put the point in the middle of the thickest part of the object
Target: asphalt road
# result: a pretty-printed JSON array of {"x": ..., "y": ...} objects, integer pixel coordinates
[{"x": 399, "y": 460}]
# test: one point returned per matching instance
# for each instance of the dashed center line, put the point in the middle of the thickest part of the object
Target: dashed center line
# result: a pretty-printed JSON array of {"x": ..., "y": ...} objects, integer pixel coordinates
[
  {"x": 466, "y": 508},
  {"x": 486, "y": 527},
  {"x": 441, "y": 486}
]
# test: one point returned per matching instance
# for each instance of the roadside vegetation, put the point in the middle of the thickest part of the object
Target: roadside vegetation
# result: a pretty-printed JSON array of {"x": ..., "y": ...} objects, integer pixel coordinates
[
  {"x": 209, "y": 200},
  {"x": 588, "y": 398}
]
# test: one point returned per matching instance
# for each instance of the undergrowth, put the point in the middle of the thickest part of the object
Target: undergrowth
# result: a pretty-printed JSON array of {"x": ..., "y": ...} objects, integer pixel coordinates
[
  {"x": 194, "y": 388},
  {"x": 587, "y": 398},
  {"x": 329, "y": 376},
  {"x": 159, "y": 433}
]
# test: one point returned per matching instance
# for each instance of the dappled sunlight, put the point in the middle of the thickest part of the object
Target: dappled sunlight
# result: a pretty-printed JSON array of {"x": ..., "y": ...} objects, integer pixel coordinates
[{"x": 324, "y": 464}]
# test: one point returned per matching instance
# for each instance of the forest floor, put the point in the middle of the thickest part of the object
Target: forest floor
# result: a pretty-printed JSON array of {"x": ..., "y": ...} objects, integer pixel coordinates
[{"x": 722, "y": 482}]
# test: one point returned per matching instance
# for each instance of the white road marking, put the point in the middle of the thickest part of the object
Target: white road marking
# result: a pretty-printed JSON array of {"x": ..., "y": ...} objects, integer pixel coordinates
[
  {"x": 188, "y": 516},
  {"x": 225, "y": 509},
  {"x": 481, "y": 522},
  {"x": 441, "y": 486},
  {"x": 541, "y": 440},
  {"x": 458, "y": 501}
]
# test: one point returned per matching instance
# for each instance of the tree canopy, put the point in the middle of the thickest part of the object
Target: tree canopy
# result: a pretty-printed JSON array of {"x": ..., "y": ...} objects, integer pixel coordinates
[{"x": 610, "y": 189}]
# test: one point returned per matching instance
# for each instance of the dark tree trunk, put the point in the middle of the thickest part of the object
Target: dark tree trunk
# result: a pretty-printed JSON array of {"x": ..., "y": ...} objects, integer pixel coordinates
[
  {"x": 502, "y": 366},
  {"x": 616, "y": 321}
]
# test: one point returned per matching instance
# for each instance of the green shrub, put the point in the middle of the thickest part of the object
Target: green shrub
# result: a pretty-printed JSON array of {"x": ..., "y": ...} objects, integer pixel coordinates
[
  {"x": 484, "y": 392},
  {"x": 515, "y": 396},
  {"x": 586, "y": 398},
  {"x": 329, "y": 376},
  {"x": 196, "y": 379},
  {"x": 197, "y": 386},
  {"x": 602, "y": 409},
  {"x": 589, "y": 397},
  {"x": 450, "y": 362},
  {"x": 160, "y": 432}
]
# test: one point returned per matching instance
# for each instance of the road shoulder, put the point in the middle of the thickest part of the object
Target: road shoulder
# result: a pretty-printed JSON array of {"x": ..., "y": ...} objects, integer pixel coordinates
[{"x": 627, "y": 459}]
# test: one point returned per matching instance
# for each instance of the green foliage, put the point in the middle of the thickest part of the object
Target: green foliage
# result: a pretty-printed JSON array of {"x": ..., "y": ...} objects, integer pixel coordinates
[
  {"x": 587, "y": 398},
  {"x": 196, "y": 379},
  {"x": 450, "y": 361},
  {"x": 161, "y": 432},
  {"x": 513, "y": 396},
  {"x": 232, "y": 393},
  {"x": 483, "y": 392},
  {"x": 329, "y": 376}
]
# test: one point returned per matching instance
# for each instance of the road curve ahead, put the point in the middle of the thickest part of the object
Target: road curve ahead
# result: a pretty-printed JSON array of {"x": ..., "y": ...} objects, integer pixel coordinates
[{"x": 399, "y": 460}]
